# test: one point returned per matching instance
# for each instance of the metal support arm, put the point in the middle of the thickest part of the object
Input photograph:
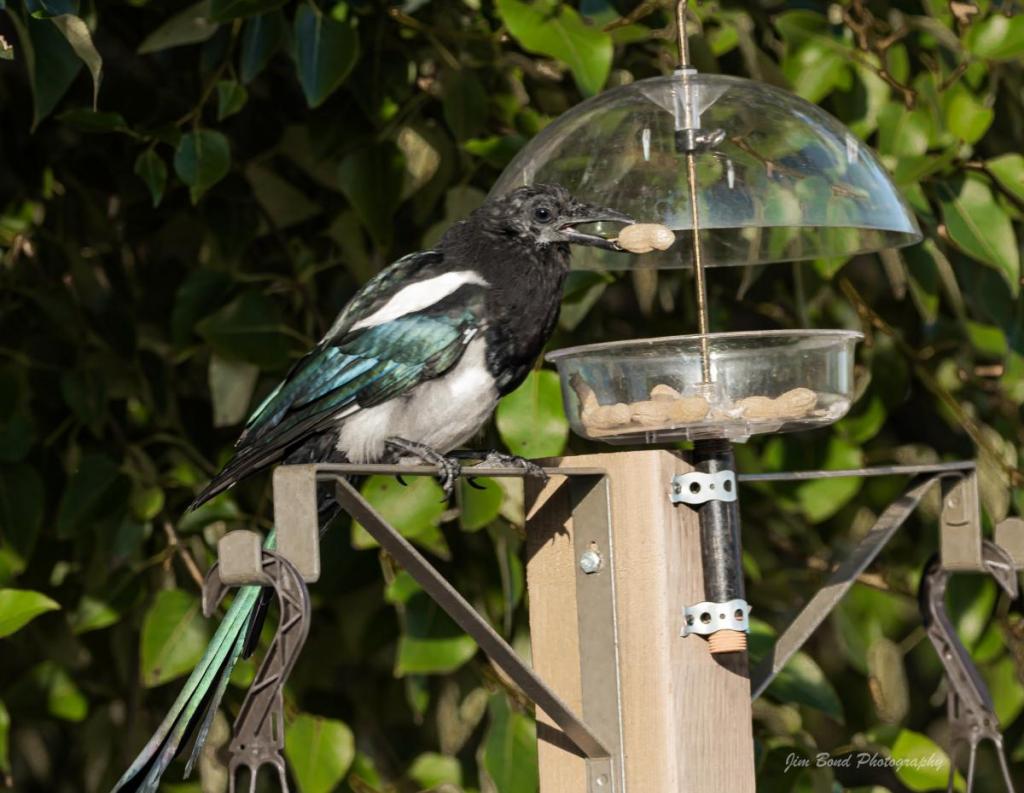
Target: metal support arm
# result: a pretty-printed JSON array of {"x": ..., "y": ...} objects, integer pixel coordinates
[{"x": 435, "y": 584}]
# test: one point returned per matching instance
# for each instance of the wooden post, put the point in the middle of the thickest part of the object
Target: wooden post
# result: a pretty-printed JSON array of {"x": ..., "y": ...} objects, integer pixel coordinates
[{"x": 685, "y": 715}]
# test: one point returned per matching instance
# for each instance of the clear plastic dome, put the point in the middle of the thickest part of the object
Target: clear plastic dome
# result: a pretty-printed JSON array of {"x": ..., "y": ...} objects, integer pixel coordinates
[{"x": 778, "y": 178}]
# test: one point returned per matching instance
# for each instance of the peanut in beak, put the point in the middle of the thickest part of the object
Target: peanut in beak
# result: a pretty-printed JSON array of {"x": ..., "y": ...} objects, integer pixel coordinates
[{"x": 645, "y": 237}]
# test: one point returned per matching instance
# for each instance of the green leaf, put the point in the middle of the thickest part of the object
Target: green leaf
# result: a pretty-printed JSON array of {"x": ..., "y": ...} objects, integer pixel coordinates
[
  {"x": 415, "y": 510},
  {"x": 1003, "y": 682},
  {"x": 966, "y": 116},
  {"x": 432, "y": 770},
  {"x": 191, "y": 26},
  {"x": 920, "y": 763},
  {"x": 94, "y": 121},
  {"x": 231, "y": 387},
  {"x": 555, "y": 29},
  {"x": 174, "y": 636},
  {"x": 401, "y": 588},
  {"x": 51, "y": 63},
  {"x": 231, "y": 98},
  {"x": 5, "y": 739},
  {"x": 371, "y": 180},
  {"x": 284, "y": 203},
  {"x": 22, "y": 501},
  {"x": 1009, "y": 172},
  {"x": 815, "y": 71},
  {"x": 248, "y": 329},
  {"x": 64, "y": 700},
  {"x": 509, "y": 753},
  {"x": 801, "y": 681},
  {"x": 903, "y": 132},
  {"x": 93, "y": 614},
  {"x": 430, "y": 643},
  {"x": 325, "y": 52},
  {"x": 261, "y": 38},
  {"x": 20, "y": 606},
  {"x": 79, "y": 37},
  {"x": 151, "y": 169},
  {"x": 319, "y": 751},
  {"x": 495, "y": 150},
  {"x": 480, "y": 507},
  {"x": 888, "y": 683},
  {"x": 865, "y": 422},
  {"x": 979, "y": 226},
  {"x": 998, "y": 38},
  {"x": 221, "y": 507},
  {"x": 464, "y": 102},
  {"x": 85, "y": 392},
  {"x": 45, "y": 9},
  {"x": 531, "y": 420},
  {"x": 226, "y": 10},
  {"x": 147, "y": 502},
  {"x": 202, "y": 292},
  {"x": 865, "y": 615},
  {"x": 822, "y": 498},
  {"x": 202, "y": 159},
  {"x": 93, "y": 492}
]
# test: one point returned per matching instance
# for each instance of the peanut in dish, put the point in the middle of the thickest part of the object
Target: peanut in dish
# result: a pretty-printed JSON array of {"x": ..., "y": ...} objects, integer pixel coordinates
[{"x": 668, "y": 408}]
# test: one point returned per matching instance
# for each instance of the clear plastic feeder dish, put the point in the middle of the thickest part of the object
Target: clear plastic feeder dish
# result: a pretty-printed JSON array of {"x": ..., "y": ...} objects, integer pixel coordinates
[{"x": 651, "y": 390}]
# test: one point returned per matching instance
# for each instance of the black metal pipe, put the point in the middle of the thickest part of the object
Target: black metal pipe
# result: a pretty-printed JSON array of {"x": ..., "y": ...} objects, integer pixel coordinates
[{"x": 721, "y": 547}]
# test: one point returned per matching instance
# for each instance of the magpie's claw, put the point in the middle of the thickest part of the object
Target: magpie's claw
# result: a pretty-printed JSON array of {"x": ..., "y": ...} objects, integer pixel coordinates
[
  {"x": 451, "y": 470},
  {"x": 401, "y": 480},
  {"x": 471, "y": 481},
  {"x": 528, "y": 467}
]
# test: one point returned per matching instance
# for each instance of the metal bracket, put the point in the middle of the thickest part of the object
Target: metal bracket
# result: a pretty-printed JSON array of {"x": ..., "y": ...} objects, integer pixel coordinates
[
  {"x": 707, "y": 617},
  {"x": 839, "y": 583},
  {"x": 501, "y": 653},
  {"x": 970, "y": 709},
  {"x": 598, "y": 629},
  {"x": 258, "y": 733},
  {"x": 697, "y": 487},
  {"x": 960, "y": 524},
  {"x": 1010, "y": 537},
  {"x": 599, "y": 734}
]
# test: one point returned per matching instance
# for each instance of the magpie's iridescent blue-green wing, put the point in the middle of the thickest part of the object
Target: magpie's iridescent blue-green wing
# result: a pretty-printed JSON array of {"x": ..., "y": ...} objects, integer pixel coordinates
[{"x": 361, "y": 365}]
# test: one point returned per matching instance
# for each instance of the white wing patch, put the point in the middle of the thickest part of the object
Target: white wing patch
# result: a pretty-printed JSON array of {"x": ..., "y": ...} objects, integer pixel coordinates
[{"x": 420, "y": 295}]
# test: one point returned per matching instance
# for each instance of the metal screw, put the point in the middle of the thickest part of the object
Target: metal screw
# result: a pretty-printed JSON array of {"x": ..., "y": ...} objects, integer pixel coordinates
[{"x": 590, "y": 562}]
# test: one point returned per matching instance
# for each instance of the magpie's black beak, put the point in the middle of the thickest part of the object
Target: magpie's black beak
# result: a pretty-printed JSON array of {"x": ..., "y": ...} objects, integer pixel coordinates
[{"x": 581, "y": 214}]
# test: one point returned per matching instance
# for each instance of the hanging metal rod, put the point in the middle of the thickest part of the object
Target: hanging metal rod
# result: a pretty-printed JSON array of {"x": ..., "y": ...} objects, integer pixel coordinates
[{"x": 690, "y": 122}]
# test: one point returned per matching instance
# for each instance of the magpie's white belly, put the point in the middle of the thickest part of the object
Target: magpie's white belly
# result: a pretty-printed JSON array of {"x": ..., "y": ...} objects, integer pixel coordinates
[{"x": 442, "y": 413}]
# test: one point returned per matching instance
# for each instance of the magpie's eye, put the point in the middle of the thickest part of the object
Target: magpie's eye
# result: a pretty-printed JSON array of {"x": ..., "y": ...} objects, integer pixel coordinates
[{"x": 542, "y": 214}]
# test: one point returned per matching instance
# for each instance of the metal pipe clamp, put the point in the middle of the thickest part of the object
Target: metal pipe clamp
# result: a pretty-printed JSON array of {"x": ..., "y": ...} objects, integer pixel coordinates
[
  {"x": 707, "y": 617},
  {"x": 697, "y": 487}
]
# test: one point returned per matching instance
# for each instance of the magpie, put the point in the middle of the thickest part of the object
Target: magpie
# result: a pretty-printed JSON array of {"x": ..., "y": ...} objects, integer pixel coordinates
[{"x": 410, "y": 370}]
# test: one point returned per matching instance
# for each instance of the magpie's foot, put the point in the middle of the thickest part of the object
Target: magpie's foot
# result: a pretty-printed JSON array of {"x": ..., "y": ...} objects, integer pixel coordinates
[
  {"x": 451, "y": 469},
  {"x": 504, "y": 460}
]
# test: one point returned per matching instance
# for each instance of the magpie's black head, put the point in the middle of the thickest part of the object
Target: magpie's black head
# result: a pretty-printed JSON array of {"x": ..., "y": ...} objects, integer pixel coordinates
[{"x": 544, "y": 214}]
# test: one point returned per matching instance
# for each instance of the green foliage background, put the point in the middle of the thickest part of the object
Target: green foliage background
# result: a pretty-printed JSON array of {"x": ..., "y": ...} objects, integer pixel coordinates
[{"x": 189, "y": 195}]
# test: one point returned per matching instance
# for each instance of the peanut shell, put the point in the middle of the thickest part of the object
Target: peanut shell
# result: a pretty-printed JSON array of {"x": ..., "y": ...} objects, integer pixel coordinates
[
  {"x": 605, "y": 417},
  {"x": 687, "y": 409},
  {"x": 757, "y": 407},
  {"x": 796, "y": 403},
  {"x": 654, "y": 411},
  {"x": 646, "y": 237},
  {"x": 662, "y": 391}
]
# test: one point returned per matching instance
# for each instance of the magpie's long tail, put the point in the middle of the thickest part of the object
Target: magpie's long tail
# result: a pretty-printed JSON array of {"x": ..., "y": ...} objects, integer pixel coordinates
[
  {"x": 193, "y": 711},
  {"x": 197, "y": 703}
]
